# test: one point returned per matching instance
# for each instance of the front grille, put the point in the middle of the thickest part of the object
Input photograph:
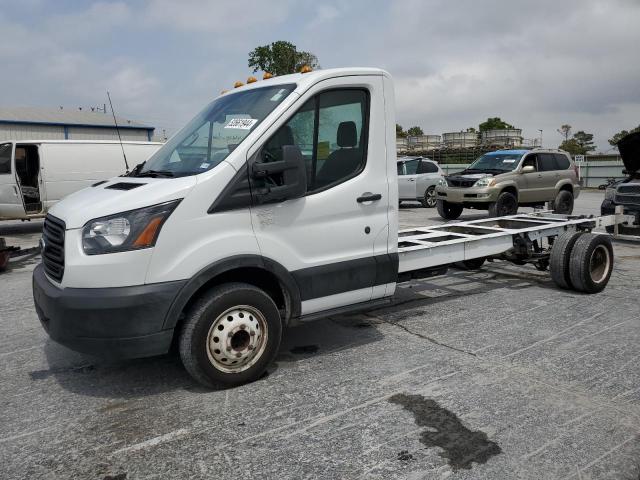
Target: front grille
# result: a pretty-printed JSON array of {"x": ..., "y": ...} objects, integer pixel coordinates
[
  {"x": 53, "y": 251},
  {"x": 460, "y": 182},
  {"x": 629, "y": 189}
]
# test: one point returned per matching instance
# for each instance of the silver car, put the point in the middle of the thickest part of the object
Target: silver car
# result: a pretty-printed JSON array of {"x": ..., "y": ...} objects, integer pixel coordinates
[{"x": 417, "y": 180}]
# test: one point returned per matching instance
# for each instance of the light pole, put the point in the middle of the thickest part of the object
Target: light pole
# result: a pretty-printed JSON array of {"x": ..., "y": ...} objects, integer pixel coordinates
[{"x": 540, "y": 130}]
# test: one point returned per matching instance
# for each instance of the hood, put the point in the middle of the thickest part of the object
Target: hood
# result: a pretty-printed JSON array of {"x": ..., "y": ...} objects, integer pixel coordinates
[
  {"x": 474, "y": 176},
  {"x": 120, "y": 194},
  {"x": 629, "y": 148}
]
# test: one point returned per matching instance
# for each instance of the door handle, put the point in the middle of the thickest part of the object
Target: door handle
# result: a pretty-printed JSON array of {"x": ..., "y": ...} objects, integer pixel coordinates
[
  {"x": 369, "y": 197},
  {"x": 15, "y": 190},
  {"x": 412, "y": 179}
]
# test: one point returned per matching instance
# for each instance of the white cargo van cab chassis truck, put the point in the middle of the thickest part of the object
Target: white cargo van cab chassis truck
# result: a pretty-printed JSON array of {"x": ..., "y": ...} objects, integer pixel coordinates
[{"x": 278, "y": 203}]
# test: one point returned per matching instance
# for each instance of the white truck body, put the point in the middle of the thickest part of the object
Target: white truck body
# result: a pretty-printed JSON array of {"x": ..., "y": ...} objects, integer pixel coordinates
[
  {"x": 35, "y": 174},
  {"x": 278, "y": 203}
]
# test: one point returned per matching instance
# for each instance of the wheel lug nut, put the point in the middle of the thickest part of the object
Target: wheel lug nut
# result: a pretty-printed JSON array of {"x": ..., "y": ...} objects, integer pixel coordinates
[
  {"x": 228, "y": 349},
  {"x": 250, "y": 347},
  {"x": 238, "y": 355},
  {"x": 252, "y": 333},
  {"x": 242, "y": 327}
]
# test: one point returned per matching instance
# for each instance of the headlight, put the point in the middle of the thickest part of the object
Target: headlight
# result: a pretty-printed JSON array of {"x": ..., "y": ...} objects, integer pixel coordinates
[
  {"x": 485, "y": 182},
  {"x": 442, "y": 182},
  {"x": 610, "y": 193},
  {"x": 130, "y": 230}
]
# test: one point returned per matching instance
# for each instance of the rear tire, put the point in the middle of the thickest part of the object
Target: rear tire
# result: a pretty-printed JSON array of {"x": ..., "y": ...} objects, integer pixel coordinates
[
  {"x": 560, "y": 259},
  {"x": 448, "y": 211},
  {"x": 563, "y": 203},
  {"x": 230, "y": 335},
  {"x": 591, "y": 263},
  {"x": 429, "y": 199},
  {"x": 506, "y": 204}
]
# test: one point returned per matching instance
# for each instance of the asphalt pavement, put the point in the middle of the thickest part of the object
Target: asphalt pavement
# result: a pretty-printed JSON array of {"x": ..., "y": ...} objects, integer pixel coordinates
[{"x": 493, "y": 374}]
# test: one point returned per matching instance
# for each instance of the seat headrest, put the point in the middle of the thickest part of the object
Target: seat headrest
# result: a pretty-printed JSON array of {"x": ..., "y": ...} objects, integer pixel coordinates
[
  {"x": 284, "y": 136},
  {"x": 347, "y": 134}
]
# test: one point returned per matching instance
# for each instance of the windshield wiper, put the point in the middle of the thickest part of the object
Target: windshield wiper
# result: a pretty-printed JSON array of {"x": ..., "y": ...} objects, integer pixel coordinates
[{"x": 156, "y": 173}]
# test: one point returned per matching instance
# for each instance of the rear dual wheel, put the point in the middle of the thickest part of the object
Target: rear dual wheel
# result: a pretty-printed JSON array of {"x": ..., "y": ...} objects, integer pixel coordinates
[
  {"x": 230, "y": 335},
  {"x": 582, "y": 262}
]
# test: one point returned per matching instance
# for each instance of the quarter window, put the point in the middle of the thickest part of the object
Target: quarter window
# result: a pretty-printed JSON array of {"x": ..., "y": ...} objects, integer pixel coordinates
[
  {"x": 427, "y": 167},
  {"x": 411, "y": 166},
  {"x": 5, "y": 158},
  {"x": 562, "y": 161},
  {"x": 331, "y": 131}
]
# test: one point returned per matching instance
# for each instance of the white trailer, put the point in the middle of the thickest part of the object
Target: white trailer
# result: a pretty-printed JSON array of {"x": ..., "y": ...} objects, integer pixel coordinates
[{"x": 277, "y": 204}]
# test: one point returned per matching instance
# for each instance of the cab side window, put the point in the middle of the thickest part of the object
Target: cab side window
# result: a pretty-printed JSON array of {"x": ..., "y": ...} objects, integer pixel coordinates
[
  {"x": 531, "y": 161},
  {"x": 411, "y": 166},
  {"x": 562, "y": 161},
  {"x": 331, "y": 132},
  {"x": 5, "y": 158},
  {"x": 546, "y": 162}
]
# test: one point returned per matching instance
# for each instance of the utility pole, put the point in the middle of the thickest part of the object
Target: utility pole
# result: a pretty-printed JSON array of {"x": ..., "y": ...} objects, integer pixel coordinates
[{"x": 540, "y": 130}]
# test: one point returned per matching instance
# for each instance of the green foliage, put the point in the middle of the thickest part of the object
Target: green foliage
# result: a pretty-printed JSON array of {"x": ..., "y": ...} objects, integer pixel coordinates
[
  {"x": 400, "y": 133},
  {"x": 280, "y": 58},
  {"x": 415, "y": 132},
  {"x": 580, "y": 144},
  {"x": 494, "y": 123},
  {"x": 613, "y": 141},
  {"x": 565, "y": 131}
]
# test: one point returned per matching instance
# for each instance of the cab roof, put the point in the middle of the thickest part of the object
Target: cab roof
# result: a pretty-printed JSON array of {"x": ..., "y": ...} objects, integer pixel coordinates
[{"x": 508, "y": 152}]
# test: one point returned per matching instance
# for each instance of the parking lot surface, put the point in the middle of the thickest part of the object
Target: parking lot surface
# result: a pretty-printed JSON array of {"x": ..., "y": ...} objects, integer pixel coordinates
[{"x": 493, "y": 374}]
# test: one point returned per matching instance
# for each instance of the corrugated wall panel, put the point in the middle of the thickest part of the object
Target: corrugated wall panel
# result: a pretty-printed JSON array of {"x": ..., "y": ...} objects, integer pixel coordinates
[
  {"x": 10, "y": 131},
  {"x": 85, "y": 133}
]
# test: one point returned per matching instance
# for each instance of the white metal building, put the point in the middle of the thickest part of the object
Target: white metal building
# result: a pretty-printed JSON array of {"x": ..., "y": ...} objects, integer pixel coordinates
[{"x": 39, "y": 124}]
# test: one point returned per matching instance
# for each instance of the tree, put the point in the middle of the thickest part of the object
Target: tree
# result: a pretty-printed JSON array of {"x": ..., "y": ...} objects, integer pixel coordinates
[
  {"x": 494, "y": 123},
  {"x": 415, "y": 132},
  {"x": 565, "y": 131},
  {"x": 400, "y": 133},
  {"x": 585, "y": 140},
  {"x": 580, "y": 144},
  {"x": 280, "y": 58},
  {"x": 613, "y": 141}
]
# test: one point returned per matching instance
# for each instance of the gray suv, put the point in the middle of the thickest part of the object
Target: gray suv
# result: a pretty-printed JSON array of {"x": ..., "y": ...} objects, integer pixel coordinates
[{"x": 500, "y": 181}]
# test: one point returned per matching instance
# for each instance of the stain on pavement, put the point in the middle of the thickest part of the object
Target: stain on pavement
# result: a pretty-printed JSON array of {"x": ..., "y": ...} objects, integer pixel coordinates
[{"x": 461, "y": 446}]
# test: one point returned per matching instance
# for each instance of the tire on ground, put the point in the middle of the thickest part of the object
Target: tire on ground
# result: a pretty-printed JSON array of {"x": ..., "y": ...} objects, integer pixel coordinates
[
  {"x": 591, "y": 263},
  {"x": 506, "y": 204},
  {"x": 563, "y": 203},
  {"x": 429, "y": 197},
  {"x": 472, "y": 264},
  {"x": 196, "y": 334},
  {"x": 560, "y": 257},
  {"x": 448, "y": 211}
]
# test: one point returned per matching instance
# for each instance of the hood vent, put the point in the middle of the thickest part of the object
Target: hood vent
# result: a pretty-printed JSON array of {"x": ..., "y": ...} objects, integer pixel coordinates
[{"x": 125, "y": 186}]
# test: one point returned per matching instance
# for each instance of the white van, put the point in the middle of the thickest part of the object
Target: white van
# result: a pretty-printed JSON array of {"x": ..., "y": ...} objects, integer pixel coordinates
[
  {"x": 277, "y": 204},
  {"x": 35, "y": 174}
]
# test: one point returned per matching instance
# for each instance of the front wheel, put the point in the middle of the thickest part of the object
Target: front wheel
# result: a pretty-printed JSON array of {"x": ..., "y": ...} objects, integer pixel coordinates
[
  {"x": 506, "y": 204},
  {"x": 230, "y": 335},
  {"x": 448, "y": 211},
  {"x": 429, "y": 198},
  {"x": 563, "y": 203}
]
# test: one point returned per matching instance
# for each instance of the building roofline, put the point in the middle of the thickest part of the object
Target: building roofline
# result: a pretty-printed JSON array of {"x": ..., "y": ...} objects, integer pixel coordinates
[{"x": 67, "y": 124}]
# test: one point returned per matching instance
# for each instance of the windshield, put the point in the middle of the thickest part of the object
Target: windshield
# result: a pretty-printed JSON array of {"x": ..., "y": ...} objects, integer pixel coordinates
[
  {"x": 503, "y": 162},
  {"x": 213, "y": 134}
]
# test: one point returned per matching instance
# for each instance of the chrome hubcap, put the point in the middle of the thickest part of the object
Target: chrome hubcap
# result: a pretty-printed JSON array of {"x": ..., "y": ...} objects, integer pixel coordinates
[
  {"x": 237, "y": 339},
  {"x": 599, "y": 264},
  {"x": 431, "y": 197}
]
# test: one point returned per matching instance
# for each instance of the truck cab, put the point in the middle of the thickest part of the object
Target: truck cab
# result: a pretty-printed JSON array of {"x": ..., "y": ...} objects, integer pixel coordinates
[{"x": 277, "y": 203}]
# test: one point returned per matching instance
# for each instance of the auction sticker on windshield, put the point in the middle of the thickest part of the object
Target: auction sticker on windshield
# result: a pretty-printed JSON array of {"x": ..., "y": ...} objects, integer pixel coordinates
[{"x": 241, "y": 123}]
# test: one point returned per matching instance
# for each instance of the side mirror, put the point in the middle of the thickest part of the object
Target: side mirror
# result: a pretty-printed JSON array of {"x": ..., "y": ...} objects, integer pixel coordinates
[
  {"x": 528, "y": 169},
  {"x": 285, "y": 179}
]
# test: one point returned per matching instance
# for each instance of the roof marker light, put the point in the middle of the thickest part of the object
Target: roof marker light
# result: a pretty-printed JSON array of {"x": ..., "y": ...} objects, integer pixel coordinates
[
  {"x": 238, "y": 84},
  {"x": 267, "y": 76},
  {"x": 251, "y": 79},
  {"x": 306, "y": 69}
]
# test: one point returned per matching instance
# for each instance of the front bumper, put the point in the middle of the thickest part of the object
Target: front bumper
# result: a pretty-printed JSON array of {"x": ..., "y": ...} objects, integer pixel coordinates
[
  {"x": 122, "y": 322},
  {"x": 608, "y": 208},
  {"x": 467, "y": 195}
]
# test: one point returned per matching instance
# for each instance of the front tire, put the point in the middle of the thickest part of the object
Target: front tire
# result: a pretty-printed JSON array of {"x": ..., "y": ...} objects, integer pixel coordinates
[
  {"x": 563, "y": 203},
  {"x": 506, "y": 204},
  {"x": 230, "y": 335},
  {"x": 448, "y": 211},
  {"x": 429, "y": 199},
  {"x": 560, "y": 258}
]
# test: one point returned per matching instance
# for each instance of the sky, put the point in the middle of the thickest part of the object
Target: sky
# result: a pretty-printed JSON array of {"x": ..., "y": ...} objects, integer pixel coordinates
[{"x": 536, "y": 64}]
